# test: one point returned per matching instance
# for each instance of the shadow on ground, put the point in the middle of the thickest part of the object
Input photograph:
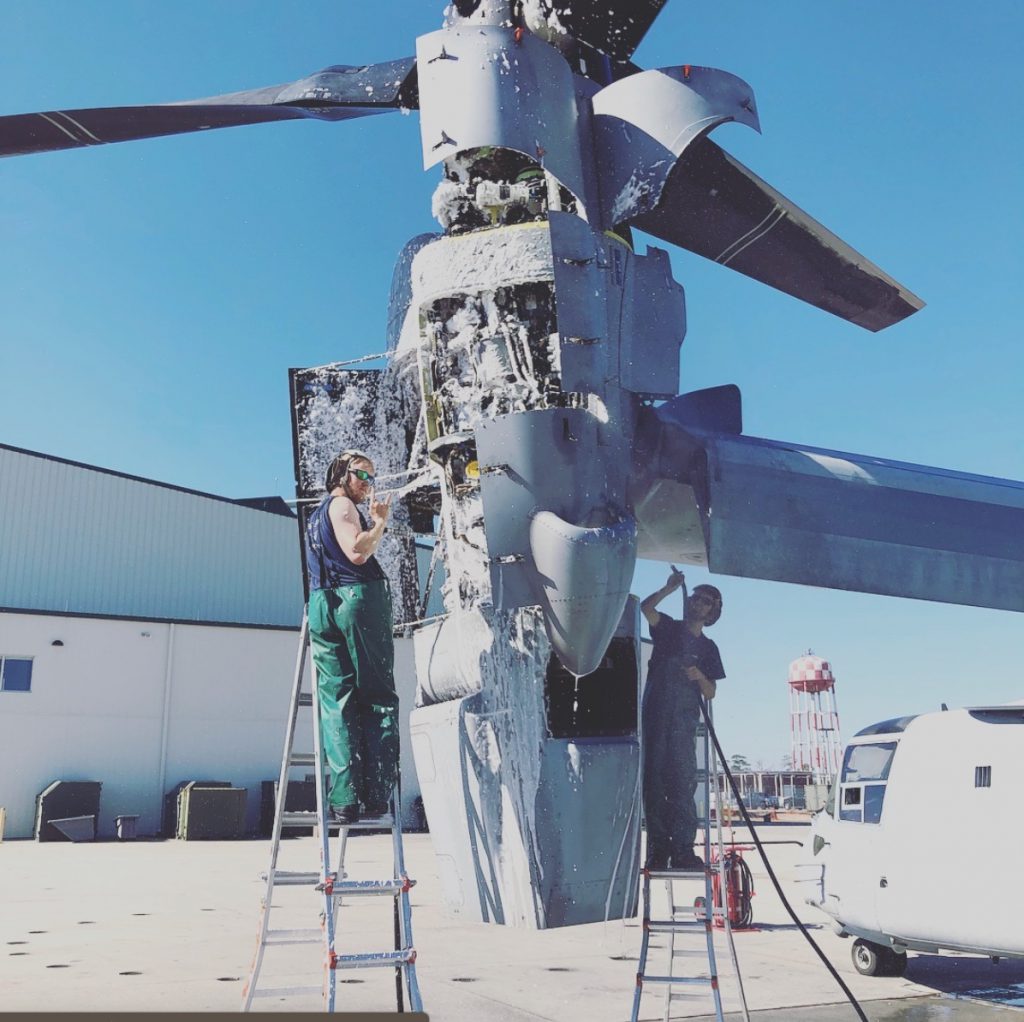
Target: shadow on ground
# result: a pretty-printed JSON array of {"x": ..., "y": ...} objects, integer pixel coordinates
[{"x": 1000, "y": 983}]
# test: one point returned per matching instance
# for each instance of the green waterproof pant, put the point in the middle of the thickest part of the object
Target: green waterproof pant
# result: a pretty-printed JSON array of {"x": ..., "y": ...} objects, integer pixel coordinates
[{"x": 354, "y": 655}]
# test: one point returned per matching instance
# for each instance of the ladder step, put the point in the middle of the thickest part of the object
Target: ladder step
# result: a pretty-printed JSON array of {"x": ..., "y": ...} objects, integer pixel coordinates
[
  {"x": 354, "y": 888},
  {"x": 692, "y": 981},
  {"x": 288, "y": 991},
  {"x": 376, "y": 959},
  {"x": 287, "y": 877},
  {"x": 664, "y": 926},
  {"x": 311, "y": 819},
  {"x": 302, "y": 759},
  {"x": 677, "y": 874},
  {"x": 296, "y": 819},
  {"x": 387, "y": 821}
]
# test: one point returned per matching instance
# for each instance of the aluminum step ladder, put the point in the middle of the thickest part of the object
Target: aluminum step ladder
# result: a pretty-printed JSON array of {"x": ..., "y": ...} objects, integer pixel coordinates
[
  {"x": 332, "y": 887},
  {"x": 690, "y": 924}
]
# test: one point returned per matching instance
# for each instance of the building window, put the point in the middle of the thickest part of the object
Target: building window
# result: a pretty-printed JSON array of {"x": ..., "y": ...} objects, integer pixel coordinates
[
  {"x": 983, "y": 777},
  {"x": 15, "y": 674}
]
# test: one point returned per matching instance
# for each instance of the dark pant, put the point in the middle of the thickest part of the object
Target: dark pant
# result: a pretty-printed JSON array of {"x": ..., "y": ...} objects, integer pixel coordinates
[
  {"x": 670, "y": 770},
  {"x": 354, "y": 654}
]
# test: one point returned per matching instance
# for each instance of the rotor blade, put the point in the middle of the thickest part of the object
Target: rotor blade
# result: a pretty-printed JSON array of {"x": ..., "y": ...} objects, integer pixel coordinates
[
  {"x": 764, "y": 509},
  {"x": 334, "y": 94},
  {"x": 716, "y": 207},
  {"x": 613, "y": 27}
]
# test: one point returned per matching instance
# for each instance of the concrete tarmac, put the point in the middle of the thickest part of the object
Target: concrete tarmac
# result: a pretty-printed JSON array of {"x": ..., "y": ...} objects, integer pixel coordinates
[{"x": 171, "y": 926}]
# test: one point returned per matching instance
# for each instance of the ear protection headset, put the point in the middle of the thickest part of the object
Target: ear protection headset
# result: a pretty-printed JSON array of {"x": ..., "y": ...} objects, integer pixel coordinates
[{"x": 338, "y": 468}]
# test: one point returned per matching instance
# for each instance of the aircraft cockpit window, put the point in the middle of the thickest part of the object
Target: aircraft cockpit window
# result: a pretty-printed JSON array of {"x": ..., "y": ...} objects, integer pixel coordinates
[{"x": 868, "y": 762}]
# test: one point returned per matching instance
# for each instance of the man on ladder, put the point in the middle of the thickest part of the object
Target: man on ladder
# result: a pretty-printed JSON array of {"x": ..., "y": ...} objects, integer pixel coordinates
[
  {"x": 350, "y": 631},
  {"x": 685, "y": 665},
  {"x": 681, "y": 681}
]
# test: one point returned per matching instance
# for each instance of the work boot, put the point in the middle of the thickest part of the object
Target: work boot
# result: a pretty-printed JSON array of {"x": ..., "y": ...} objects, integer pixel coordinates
[
  {"x": 376, "y": 810},
  {"x": 345, "y": 814}
]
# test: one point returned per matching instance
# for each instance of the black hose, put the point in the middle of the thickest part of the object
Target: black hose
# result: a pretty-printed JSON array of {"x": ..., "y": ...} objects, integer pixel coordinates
[{"x": 771, "y": 873}]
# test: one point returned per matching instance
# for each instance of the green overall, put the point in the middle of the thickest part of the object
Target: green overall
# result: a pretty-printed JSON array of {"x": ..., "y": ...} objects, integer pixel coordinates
[{"x": 353, "y": 652}]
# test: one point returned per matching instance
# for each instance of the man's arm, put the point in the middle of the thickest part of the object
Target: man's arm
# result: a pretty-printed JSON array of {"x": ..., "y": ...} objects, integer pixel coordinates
[
  {"x": 708, "y": 686},
  {"x": 358, "y": 544},
  {"x": 675, "y": 581}
]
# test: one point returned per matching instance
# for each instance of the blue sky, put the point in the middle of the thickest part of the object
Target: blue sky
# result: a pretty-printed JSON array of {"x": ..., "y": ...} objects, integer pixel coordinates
[{"x": 154, "y": 294}]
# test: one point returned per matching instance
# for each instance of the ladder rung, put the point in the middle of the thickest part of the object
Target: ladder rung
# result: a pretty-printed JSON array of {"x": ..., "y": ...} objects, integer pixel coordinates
[
  {"x": 302, "y": 759},
  {"x": 376, "y": 959},
  {"x": 677, "y": 874},
  {"x": 305, "y": 699},
  {"x": 679, "y": 926},
  {"x": 287, "y": 991},
  {"x": 692, "y": 981},
  {"x": 299, "y": 819},
  {"x": 286, "y": 877},
  {"x": 371, "y": 823},
  {"x": 311, "y": 819},
  {"x": 392, "y": 887},
  {"x": 716, "y": 911}
]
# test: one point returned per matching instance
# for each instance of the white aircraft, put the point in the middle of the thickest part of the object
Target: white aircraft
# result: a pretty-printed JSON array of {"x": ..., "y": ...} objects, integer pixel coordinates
[{"x": 918, "y": 844}]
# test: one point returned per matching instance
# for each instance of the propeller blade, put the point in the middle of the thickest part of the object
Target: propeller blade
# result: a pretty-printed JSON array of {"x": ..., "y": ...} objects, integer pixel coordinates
[
  {"x": 334, "y": 94},
  {"x": 765, "y": 509},
  {"x": 718, "y": 208},
  {"x": 613, "y": 27}
]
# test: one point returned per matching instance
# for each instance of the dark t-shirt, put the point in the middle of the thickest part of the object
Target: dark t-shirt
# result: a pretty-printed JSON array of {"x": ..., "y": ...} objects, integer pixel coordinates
[{"x": 675, "y": 649}]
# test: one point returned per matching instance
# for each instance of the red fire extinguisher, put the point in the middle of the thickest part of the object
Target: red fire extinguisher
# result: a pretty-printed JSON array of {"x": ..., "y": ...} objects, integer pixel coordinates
[{"x": 739, "y": 888}]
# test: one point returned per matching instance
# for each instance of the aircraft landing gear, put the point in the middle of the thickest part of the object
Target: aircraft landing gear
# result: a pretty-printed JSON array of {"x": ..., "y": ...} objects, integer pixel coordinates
[{"x": 871, "y": 959}]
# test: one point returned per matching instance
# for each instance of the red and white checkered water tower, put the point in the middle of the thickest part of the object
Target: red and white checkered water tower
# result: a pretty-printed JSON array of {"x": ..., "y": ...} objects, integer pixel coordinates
[{"x": 814, "y": 719}]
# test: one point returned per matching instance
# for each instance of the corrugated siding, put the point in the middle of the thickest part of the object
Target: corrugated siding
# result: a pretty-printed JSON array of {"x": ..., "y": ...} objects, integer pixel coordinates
[{"x": 83, "y": 541}]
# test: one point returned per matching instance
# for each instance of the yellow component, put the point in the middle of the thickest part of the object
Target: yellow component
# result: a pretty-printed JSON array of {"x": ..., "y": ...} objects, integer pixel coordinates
[
  {"x": 618, "y": 238},
  {"x": 473, "y": 470}
]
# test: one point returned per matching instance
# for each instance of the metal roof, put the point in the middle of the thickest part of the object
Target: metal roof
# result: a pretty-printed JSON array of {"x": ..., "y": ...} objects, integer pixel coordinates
[{"x": 80, "y": 539}]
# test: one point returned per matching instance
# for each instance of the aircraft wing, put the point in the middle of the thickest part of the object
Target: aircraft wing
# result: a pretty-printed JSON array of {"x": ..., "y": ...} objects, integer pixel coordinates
[
  {"x": 706, "y": 494},
  {"x": 336, "y": 93},
  {"x": 713, "y": 205}
]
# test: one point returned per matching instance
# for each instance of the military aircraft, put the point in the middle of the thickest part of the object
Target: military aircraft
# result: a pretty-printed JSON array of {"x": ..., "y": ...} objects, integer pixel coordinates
[{"x": 531, "y": 405}]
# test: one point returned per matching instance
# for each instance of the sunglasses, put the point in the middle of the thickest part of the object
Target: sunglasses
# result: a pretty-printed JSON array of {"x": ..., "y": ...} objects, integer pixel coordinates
[{"x": 362, "y": 475}]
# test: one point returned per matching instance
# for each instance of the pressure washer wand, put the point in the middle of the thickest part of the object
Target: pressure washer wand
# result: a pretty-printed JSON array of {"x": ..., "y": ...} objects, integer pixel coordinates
[{"x": 686, "y": 596}]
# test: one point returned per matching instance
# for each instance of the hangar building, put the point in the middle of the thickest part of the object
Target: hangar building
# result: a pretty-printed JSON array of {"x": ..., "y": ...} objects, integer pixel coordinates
[{"x": 148, "y": 636}]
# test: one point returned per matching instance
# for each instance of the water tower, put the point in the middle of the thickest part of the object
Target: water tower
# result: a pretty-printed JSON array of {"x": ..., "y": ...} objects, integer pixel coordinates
[{"x": 814, "y": 719}]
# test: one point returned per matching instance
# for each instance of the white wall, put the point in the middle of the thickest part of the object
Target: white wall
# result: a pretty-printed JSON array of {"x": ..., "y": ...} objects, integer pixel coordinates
[{"x": 141, "y": 706}]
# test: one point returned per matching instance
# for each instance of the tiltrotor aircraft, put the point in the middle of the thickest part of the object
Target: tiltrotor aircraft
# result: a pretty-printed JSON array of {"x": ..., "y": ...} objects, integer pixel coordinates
[{"x": 529, "y": 411}]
